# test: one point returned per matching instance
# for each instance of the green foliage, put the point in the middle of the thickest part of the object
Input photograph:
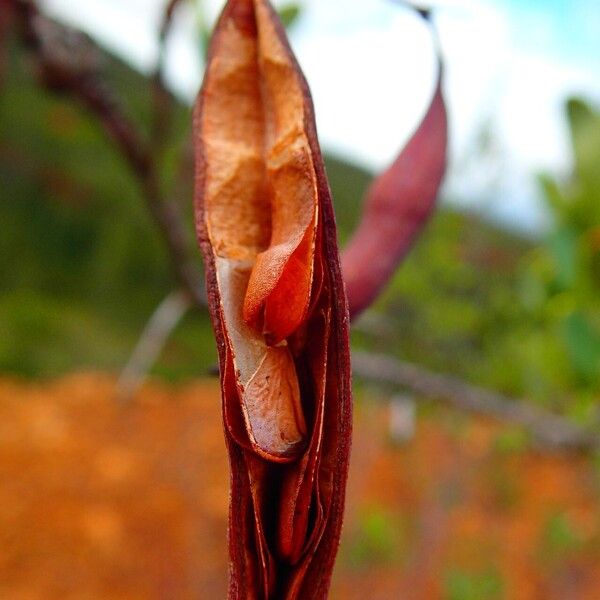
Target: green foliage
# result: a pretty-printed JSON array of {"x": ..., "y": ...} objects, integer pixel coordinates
[
  {"x": 517, "y": 315},
  {"x": 45, "y": 335},
  {"x": 289, "y": 13},
  {"x": 467, "y": 585},
  {"x": 83, "y": 267},
  {"x": 559, "y": 539},
  {"x": 453, "y": 301},
  {"x": 561, "y": 277},
  {"x": 511, "y": 440},
  {"x": 379, "y": 539}
]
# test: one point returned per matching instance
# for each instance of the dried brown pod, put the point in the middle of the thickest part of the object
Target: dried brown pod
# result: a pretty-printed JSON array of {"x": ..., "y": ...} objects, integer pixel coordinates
[{"x": 267, "y": 232}]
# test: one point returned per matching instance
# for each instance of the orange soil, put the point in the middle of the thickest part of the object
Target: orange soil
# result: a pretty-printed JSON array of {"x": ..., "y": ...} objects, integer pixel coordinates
[{"x": 103, "y": 501}]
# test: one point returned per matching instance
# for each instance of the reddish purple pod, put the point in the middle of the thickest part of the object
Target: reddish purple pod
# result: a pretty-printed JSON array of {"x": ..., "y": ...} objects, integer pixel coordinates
[{"x": 397, "y": 206}]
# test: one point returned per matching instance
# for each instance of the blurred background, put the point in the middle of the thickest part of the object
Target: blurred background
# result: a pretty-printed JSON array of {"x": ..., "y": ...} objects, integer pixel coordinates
[{"x": 104, "y": 496}]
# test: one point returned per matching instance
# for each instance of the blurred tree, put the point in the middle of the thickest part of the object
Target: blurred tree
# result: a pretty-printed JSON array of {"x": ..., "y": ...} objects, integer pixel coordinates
[
  {"x": 84, "y": 268},
  {"x": 561, "y": 277}
]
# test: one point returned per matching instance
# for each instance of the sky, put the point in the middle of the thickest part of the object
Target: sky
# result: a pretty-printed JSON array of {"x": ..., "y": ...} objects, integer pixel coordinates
[{"x": 510, "y": 65}]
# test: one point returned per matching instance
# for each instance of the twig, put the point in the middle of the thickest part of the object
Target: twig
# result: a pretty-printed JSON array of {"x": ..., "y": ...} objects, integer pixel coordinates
[
  {"x": 421, "y": 8},
  {"x": 163, "y": 101},
  {"x": 67, "y": 62},
  {"x": 398, "y": 204},
  {"x": 550, "y": 430},
  {"x": 154, "y": 337},
  {"x": 5, "y": 16},
  {"x": 64, "y": 59}
]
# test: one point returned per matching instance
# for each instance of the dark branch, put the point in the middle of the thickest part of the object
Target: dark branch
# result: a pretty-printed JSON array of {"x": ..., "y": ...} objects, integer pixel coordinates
[
  {"x": 68, "y": 63},
  {"x": 163, "y": 100},
  {"x": 398, "y": 205},
  {"x": 66, "y": 59},
  {"x": 548, "y": 429},
  {"x": 5, "y": 18}
]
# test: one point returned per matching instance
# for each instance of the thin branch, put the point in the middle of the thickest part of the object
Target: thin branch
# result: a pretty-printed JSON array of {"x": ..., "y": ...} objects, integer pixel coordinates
[
  {"x": 63, "y": 56},
  {"x": 550, "y": 430},
  {"x": 398, "y": 204},
  {"x": 5, "y": 17},
  {"x": 423, "y": 9},
  {"x": 67, "y": 64},
  {"x": 153, "y": 339},
  {"x": 163, "y": 100}
]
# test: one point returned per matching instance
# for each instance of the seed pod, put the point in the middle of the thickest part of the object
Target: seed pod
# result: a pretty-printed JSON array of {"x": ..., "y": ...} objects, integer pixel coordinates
[
  {"x": 266, "y": 228},
  {"x": 397, "y": 206}
]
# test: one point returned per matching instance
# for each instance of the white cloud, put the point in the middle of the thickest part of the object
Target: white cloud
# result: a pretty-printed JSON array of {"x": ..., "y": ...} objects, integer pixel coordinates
[
  {"x": 127, "y": 27},
  {"x": 371, "y": 69}
]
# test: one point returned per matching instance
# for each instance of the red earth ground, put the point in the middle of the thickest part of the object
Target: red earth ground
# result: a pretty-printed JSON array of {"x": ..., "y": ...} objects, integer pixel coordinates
[{"x": 100, "y": 500}]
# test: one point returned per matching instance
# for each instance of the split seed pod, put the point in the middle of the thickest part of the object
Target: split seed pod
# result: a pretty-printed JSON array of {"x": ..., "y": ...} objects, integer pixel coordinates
[{"x": 266, "y": 228}]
